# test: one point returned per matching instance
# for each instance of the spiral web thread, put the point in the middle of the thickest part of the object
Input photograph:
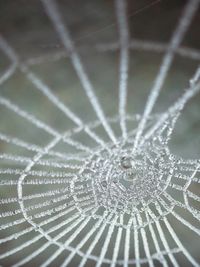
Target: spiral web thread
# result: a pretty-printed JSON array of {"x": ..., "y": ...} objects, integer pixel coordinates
[{"x": 119, "y": 194}]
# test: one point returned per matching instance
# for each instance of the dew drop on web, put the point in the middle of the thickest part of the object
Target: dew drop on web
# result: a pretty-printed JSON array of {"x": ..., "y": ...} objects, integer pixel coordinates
[{"x": 126, "y": 162}]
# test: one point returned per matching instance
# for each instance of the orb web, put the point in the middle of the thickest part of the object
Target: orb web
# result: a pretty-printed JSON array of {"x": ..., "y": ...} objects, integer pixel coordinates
[{"x": 112, "y": 204}]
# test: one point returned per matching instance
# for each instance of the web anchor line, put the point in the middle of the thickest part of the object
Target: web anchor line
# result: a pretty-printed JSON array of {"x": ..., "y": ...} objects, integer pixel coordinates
[
  {"x": 176, "y": 40},
  {"x": 176, "y": 108}
]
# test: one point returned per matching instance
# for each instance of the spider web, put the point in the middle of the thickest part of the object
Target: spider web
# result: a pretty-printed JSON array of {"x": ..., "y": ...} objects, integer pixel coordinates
[{"x": 109, "y": 204}]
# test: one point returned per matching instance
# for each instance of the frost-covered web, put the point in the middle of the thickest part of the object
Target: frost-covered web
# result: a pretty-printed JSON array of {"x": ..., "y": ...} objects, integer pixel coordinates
[{"x": 116, "y": 203}]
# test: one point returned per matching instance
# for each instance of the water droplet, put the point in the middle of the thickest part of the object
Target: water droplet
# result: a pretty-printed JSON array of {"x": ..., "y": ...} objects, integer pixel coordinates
[
  {"x": 192, "y": 81},
  {"x": 126, "y": 162},
  {"x": 104, "y": 184}
]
